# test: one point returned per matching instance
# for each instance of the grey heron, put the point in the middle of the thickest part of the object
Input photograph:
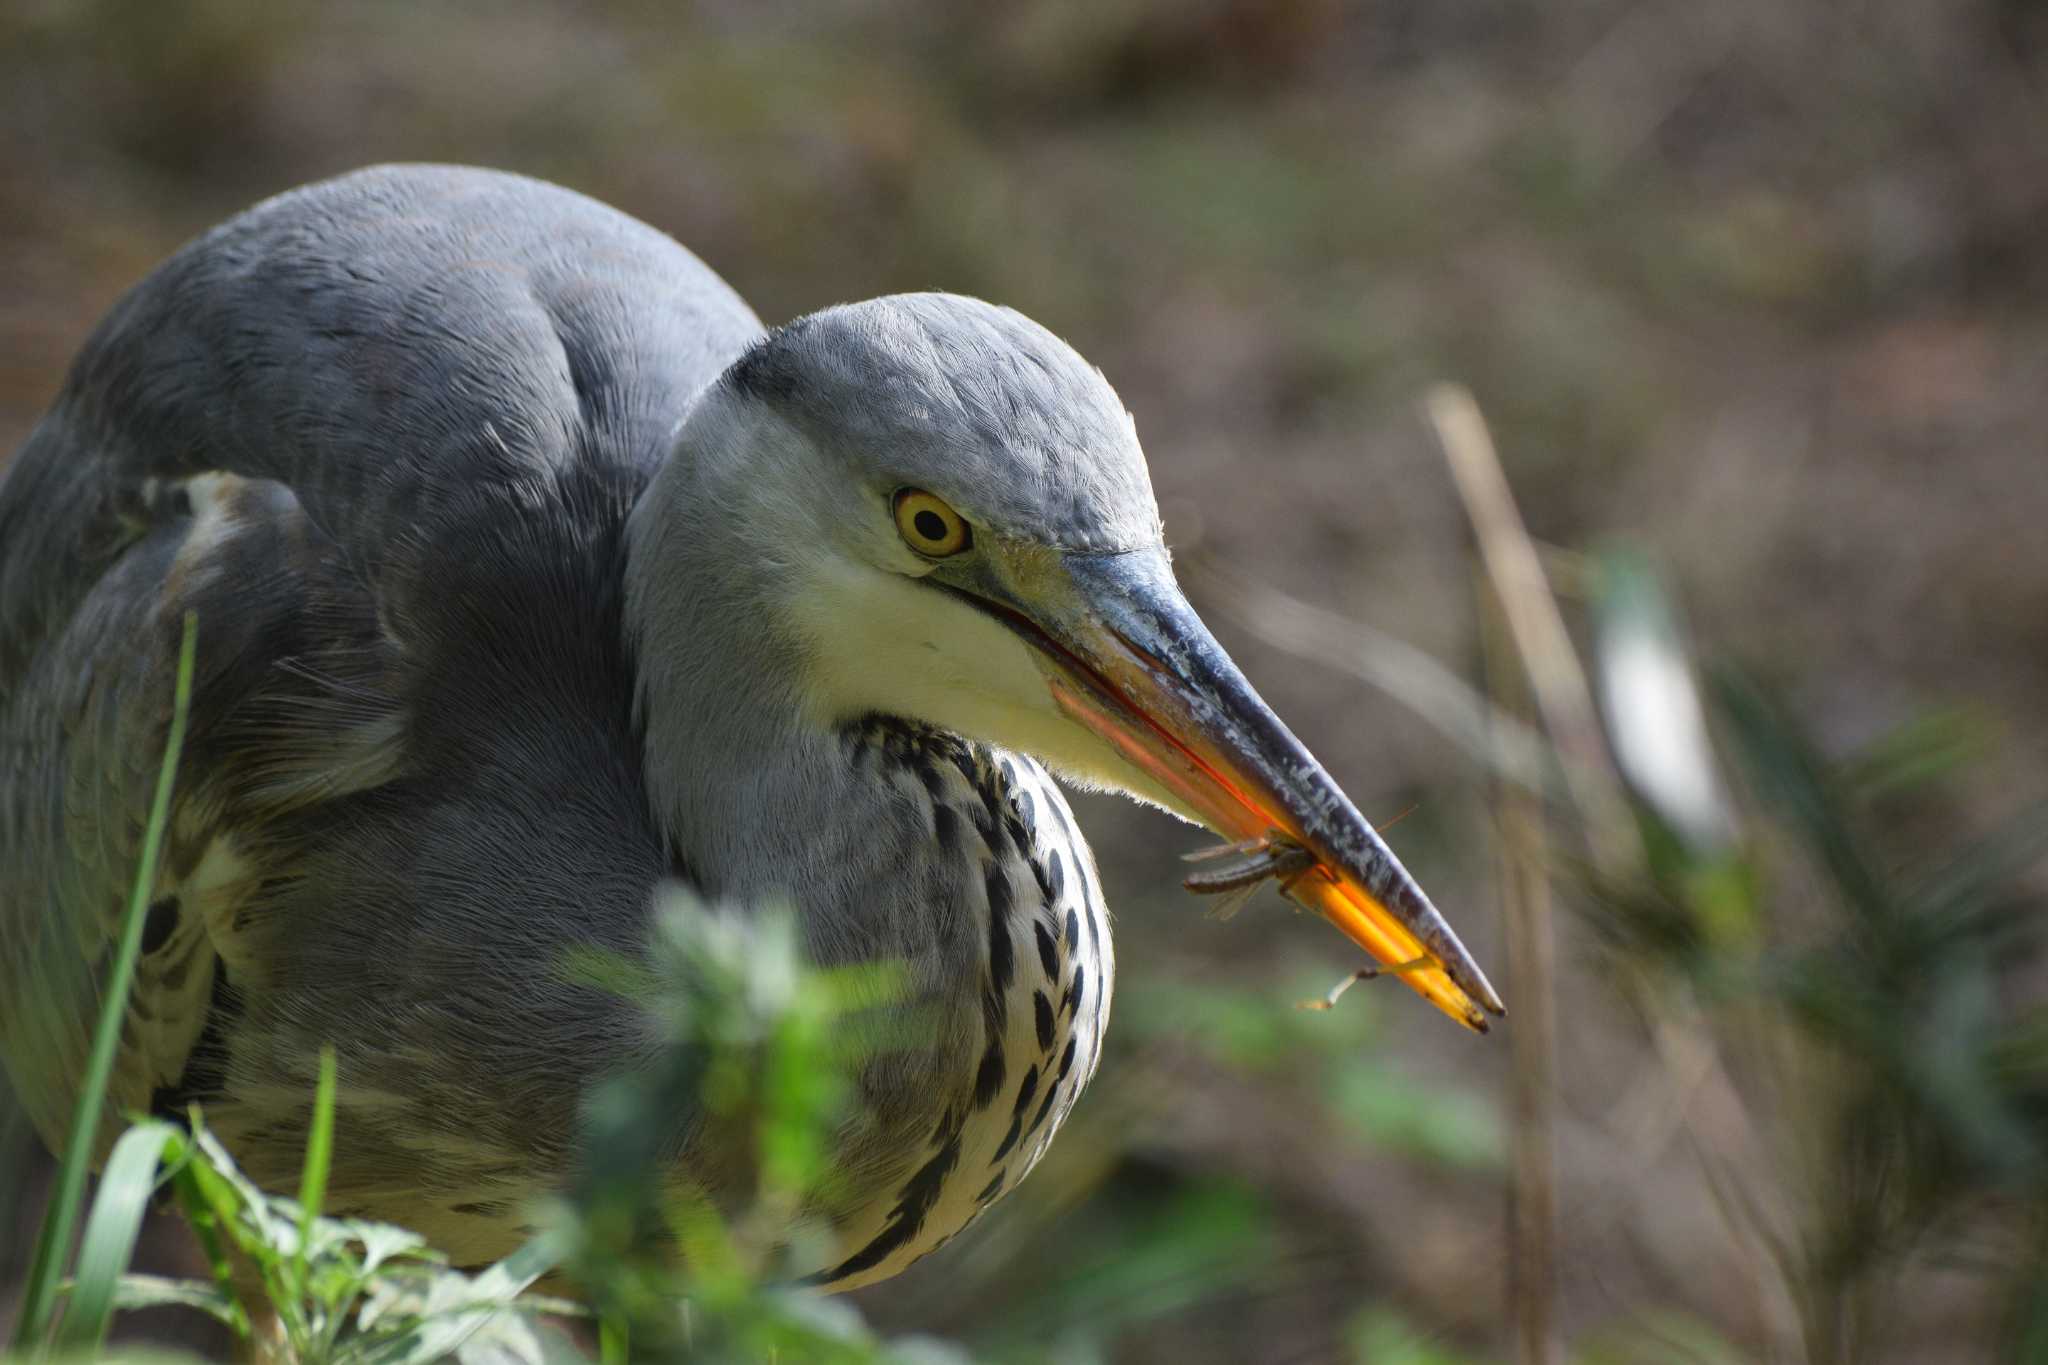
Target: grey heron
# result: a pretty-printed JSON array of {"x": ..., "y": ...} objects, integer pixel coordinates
[{"x": 533, "y": 572}]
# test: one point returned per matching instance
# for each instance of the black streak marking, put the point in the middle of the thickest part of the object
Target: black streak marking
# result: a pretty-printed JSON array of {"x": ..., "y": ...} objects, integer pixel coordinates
[
  {"x": 1089, "y": 903},
  {"x": 934, "y": 784},
  {"x": 1052, "y": 1093},
  {"x": 992, "y": 1189},
  {"x": 1066, "y": 1061},
  {"x": 1056, "y": 875},
  {"x": 1026, "y": 1091},
  {"x": 1059, "y": 811},
  {"x": 1073, "y": 930},
  {"x": 1001, "y": 965},
  {"x": 988, "y": 1081},
  {"x": 995, "y": 1010},
  {"x": 1048, "y": 951},
  {"x": 161, "y": 924},
  {"x": 987, "y": 816},
  {"x": 1045, "y": 895},
  {"x": 913, "y": 1205},
  {"x": 946, "y": 826},
  {"x": 1043, "y": 1008},
  {"x": 1078, "y": 989},
  {"x": 1009, "y": 1140}
]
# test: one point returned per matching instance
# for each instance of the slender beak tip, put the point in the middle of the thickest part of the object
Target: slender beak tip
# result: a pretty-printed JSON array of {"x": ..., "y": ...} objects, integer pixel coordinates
[
  {"x": 1476, "y": 1008},
  {"x": 1140, "y": 670},
  {"x": 1489, "y": 999},
  {"x": 1467, "y": 1012},
  {"x": 1466, "y": 975}
]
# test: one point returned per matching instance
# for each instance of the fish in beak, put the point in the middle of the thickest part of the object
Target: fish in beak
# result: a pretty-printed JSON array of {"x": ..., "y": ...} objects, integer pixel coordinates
[{"x": 1129, "y": 659}]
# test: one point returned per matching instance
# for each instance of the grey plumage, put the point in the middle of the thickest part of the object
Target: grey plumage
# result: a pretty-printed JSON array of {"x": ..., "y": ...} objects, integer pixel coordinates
[
  {"x": 531, "y": 574},
  {"x": 382, "y": 435},
  {"x": 980, "y": 398}
]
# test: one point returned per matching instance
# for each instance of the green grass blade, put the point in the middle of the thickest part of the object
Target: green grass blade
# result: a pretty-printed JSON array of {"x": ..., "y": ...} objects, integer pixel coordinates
[
  {"x": 54, "y": 1243},
  {"x": 611, "y": 1340},
  {"x": 205, "y": 1221},
  {"x": 319, "y": 1153},
  {"x": 1798, "y": 784},
  {"x": 123, "y": 1197}
]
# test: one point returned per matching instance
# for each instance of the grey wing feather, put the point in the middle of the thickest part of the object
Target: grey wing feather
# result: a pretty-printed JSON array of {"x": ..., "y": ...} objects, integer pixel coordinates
[
  {"x": 386, "y": 343},
  {"x": 287, "y": 428},
  {"x": 72, "y": 830}
]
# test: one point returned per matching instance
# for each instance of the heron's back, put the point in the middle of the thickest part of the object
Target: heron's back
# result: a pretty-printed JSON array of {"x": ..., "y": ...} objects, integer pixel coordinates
[{"x": 380, "y": 435}]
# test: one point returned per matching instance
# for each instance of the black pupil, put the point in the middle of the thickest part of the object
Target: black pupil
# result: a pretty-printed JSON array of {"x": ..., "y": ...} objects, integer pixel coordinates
[{"x": 930, "y": 524}]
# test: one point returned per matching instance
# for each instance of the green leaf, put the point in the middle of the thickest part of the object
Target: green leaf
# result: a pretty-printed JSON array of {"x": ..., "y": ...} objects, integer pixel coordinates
[
  {"x": 154, "y": 1291},
  {"x": 456, "y": 1307},
  {"x": 1796, "y": 781},
  {"x": 246, "y": 1210},
  {"x": 205, "y": 1223},
  {"x": 383, "y": 1242},
  {"x": 1923, "y": 750},
  {"x": 54, "y": 1242},
  {"x": 519, "y": 1339},
  {"x": 510, "y": 1277},
  {"x": 1965, "y": 889},
  {"x": 124, "y": 1193},
  {"x": 130, "y": 1355},
  {"x": 203, "y": 1186},
  {"x": 611, "y": 1341}
]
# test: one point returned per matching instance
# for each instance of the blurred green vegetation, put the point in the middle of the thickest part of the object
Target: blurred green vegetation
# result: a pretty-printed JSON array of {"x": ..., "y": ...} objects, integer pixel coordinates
[
  {"x": 1864, "y": 988},
  {"x": 1884, "y": 1101}
]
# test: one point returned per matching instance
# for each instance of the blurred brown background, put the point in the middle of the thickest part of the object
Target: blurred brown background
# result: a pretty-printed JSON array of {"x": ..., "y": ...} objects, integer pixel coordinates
[{"x": 1759, "y": 286}]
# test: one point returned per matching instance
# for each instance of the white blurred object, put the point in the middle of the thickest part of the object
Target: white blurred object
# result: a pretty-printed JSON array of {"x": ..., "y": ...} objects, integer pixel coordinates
[{"x": 1655, "y": 722}]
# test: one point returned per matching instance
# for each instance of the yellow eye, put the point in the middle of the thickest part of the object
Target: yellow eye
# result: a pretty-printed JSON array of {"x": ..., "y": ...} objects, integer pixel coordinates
[{"x": 930, "y": 527}]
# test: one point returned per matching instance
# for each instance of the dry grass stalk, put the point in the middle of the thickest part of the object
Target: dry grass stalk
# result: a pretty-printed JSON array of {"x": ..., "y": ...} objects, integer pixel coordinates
[
  {"x": 1532, "y": 973},
  {"x": 1408, "y": 675},
  {"x": 1515, "y": 569}
]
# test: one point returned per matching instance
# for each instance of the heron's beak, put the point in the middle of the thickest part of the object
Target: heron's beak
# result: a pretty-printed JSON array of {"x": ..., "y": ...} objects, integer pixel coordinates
[{"x": 1135, "y": 664}]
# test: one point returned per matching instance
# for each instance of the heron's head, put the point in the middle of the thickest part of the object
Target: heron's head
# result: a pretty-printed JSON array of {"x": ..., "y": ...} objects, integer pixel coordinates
[{"x": 962, "y": 530}]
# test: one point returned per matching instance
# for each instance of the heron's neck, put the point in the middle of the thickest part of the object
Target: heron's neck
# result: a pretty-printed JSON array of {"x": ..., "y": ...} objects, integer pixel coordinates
[{"x": 752, "y": 790}]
